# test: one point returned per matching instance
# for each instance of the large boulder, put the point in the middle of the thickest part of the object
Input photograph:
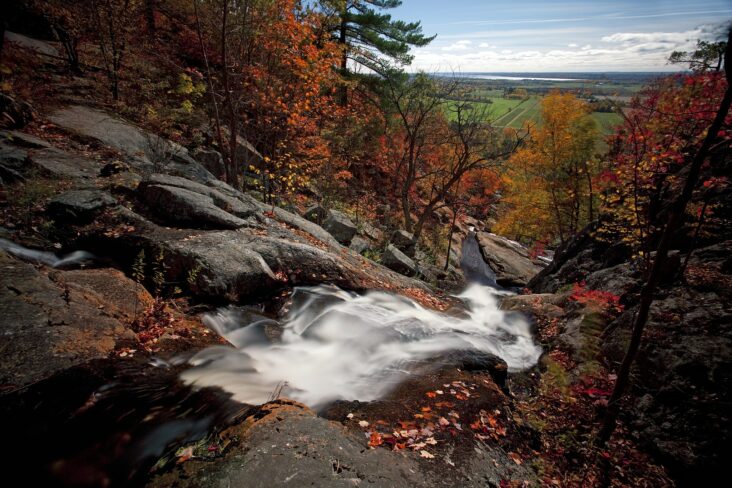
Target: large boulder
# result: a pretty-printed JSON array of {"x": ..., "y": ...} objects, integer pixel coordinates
[
  {"x": 396, "y": 260},
  {"x": 508, "y": 259},
  {"x": 182, "y": 206},
  {"x": 79, "y": 205},
  {"x": 316, "y": 214},
  {"x": 340, "y": 226},
  {"x": 404, "y": 241},
  {"x": 359, "y": 245}
]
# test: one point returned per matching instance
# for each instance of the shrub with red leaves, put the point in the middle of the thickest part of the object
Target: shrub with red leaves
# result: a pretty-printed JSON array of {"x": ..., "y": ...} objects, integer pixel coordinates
[{"x": 605, "y": 300}]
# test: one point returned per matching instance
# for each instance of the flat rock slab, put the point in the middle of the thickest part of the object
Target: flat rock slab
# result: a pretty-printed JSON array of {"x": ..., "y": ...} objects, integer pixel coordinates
[
  {"x": 290, "y": 446},
  {"x": 145, "y": 149},
  {"x": 48, "y": 326},
  {"x": 40, "y": 47},
  {"x": 58, "y": 163}
]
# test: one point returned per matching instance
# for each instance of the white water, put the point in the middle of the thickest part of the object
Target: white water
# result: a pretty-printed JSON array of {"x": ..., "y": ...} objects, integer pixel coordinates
[
  {"x": 45, "y": 257},
  {"x": 339, "y": 345}
]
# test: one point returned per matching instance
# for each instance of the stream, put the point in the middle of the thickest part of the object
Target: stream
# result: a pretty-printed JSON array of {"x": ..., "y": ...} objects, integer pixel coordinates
[{"x": 335, "y": 345}]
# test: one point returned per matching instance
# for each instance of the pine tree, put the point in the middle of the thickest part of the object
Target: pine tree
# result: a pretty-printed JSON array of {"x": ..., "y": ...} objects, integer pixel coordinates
[{"x": 371, "y": 38}]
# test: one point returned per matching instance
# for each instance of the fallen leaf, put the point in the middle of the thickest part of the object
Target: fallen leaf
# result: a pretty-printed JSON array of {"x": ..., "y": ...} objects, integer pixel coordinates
[
  {"x": 185, "y": 454},
  {"x": 426, "y": 455},
  {"x": 516, "y": 458},
  {"x": 375, "y": 439},
  {"x": 363, "y": 423}
]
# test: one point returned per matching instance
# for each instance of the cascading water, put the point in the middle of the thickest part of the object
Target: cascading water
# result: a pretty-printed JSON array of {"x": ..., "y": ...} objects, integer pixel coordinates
[
  {"x": 45, "y": 257},
  {"x": 474, "y": 267},
  {"x": 339, "y": 345}
]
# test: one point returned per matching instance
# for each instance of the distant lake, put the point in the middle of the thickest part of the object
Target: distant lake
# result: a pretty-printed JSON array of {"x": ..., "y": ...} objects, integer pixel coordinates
[
  {"x": 520, "y": 78},
  {"x": 554, "y": 77}
]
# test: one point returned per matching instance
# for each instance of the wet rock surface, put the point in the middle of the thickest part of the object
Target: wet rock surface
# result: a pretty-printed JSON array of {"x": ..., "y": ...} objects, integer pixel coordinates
[
  {"x": 290, "y": 445},
  {"x": 508, "y": 259},
  {"x": 49, "y": 326}
]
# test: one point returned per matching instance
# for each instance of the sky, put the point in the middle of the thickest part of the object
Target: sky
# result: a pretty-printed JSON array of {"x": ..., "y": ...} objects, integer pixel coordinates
[{"x": 560, "y": 36}]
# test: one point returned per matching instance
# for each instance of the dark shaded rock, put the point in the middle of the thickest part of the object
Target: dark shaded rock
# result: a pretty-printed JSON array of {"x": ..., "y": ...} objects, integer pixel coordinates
[
  {"x": 473, "y": 265},
  {"x": 396, "y": 260},
  {"x": 618, "y": 280},
  {"x": 340, "y": 226},
  {"x": 404, "y": 241},
  {"x": 36, "y": 45},
  {"x": 572, "y": 263},
  {"x": 21, "y": 139},
  {"x": 684, "y": 374},
  {"x": 476, "y": 361},
  {"x": 359, "y": 245},
  {"x": 508, "y": 259},
  {"x": 211, "y": 160},
  {"x": 316, "y": 214},
  {"x": 113, "y": 168},
  {"x": 14, "y": 113},
  {"x": 79, "y": 206}
]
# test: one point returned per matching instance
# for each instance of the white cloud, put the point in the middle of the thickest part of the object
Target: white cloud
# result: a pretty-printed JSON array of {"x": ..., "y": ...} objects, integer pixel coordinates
[
  {"x": 619, "y": 51},
  {"x": 458, "y": 46}
]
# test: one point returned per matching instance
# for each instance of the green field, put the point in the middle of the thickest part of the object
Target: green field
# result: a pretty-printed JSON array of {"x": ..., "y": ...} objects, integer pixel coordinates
[
  {"x": 607, "y": 122},
  {"x": 495, "y": 110},
  {"x": 516, "y": 114}
]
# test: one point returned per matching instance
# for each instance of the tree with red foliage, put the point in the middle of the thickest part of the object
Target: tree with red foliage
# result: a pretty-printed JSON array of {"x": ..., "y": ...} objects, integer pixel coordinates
[
  {"x": 270, "y": 73},
  {"x": 714, "y": 133},
  {"x": 650, "y": 155}
]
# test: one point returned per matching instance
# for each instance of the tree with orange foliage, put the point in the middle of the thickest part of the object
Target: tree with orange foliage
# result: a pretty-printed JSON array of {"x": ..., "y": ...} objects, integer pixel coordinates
[
  {"x": 436, "y": 154},
  {"x": 270, "y": 73},
  {"x": 549, "y": 182}
]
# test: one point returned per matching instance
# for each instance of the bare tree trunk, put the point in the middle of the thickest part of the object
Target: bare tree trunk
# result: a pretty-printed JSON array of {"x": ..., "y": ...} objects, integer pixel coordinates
[{"x": 672, "y": 226}]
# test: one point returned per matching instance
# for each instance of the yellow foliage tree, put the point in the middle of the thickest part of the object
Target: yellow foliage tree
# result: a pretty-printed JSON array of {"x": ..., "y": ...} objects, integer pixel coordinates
[{"x": 548, "y": 183}]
